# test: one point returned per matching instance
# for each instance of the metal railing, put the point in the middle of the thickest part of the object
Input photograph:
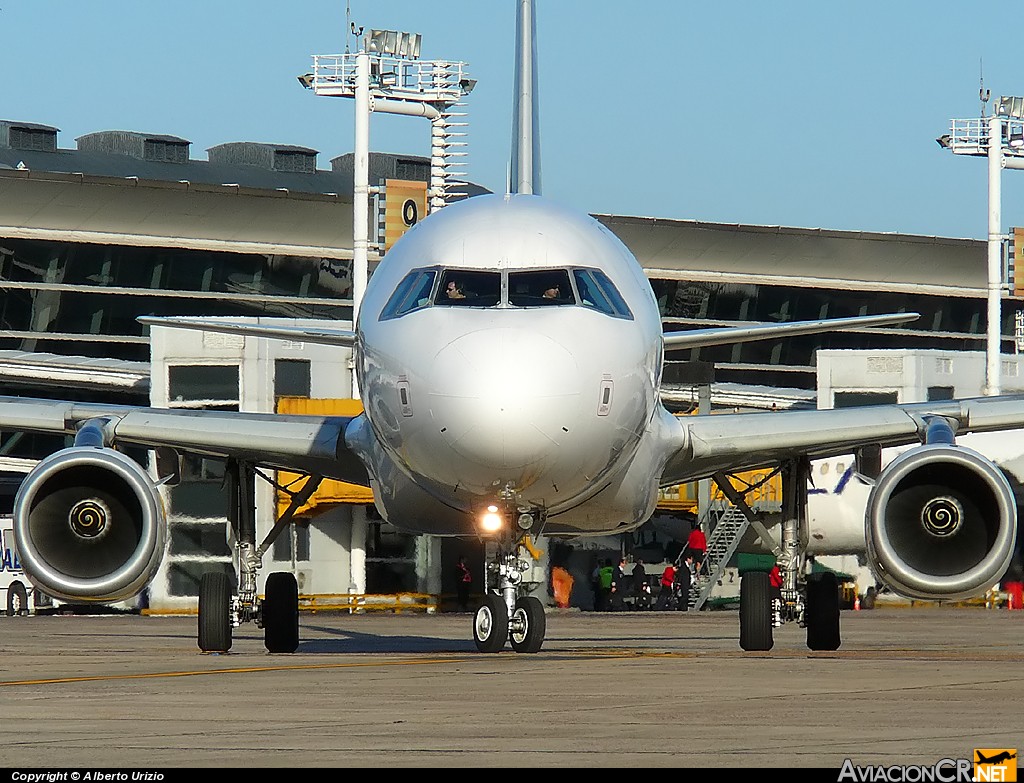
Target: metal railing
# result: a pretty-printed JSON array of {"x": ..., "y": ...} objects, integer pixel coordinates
[
  {"x": 354, "y": 603},
  {"x": 437, "y": 80},
  {"x": 362, "y": 603},
  {"x": 971, "y": 136}
]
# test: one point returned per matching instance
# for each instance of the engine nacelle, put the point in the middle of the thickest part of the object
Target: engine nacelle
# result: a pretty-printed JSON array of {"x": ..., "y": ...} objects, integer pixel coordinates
[
  {"x": 941, "y": 523},
  {"x": 90, "y": 526}
]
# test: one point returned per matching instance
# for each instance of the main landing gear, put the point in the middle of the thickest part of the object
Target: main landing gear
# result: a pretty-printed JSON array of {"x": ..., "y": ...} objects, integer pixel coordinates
[
  {"x": 222, "y": 607},
  {"x": 811, "y": 600},
  {"x": 508, "y": 613}
]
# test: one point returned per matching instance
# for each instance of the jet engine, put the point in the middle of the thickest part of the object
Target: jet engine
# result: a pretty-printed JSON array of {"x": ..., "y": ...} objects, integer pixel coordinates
[
  {"x": 89, "y": 525},
  {"x": 941, "y": 523}
]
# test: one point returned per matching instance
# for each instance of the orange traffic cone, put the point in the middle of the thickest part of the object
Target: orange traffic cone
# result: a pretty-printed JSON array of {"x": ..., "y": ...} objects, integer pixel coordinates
[{"x": 856, "y": 603}]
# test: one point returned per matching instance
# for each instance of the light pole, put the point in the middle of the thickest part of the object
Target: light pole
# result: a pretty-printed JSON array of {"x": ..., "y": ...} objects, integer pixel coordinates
[
  {"x": 386, "y": 75},
  {"x": 1000, "y": 138}
]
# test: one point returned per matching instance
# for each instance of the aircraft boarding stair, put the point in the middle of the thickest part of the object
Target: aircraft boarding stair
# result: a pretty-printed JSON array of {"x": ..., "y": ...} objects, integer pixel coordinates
[{"x": 722, "y": 543}]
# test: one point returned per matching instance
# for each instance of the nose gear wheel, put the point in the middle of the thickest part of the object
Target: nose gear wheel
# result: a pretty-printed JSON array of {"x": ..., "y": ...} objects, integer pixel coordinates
[
  {"x": 490, "y": 624},
  {"x": 528, "y": 625}
]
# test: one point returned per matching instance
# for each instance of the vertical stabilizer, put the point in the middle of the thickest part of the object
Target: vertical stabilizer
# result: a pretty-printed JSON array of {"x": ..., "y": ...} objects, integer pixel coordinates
[{"x": 525, "y": 171}]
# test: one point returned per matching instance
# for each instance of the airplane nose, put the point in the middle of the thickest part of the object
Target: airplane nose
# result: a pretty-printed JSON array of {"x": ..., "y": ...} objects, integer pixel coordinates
[{"x": 503, "y": 397}]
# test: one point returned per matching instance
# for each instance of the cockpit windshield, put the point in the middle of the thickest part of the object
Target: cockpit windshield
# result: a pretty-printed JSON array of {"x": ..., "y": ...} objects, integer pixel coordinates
[
  {"x": 524, "y": 288},
  {"x": 599, "y": 293},
  {"x": 412, "y": 294},
  {"x": 540, "y": 288},
  {"x": 468, "y": 288}
]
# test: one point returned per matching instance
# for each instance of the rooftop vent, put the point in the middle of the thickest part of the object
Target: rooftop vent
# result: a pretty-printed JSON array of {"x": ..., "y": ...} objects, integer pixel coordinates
[
  {"x": 278, "y": 157},
  {"x": 28, "y": 136},
  {"x": 144, "y": 146},
  {"x": 385, "y": 165}
]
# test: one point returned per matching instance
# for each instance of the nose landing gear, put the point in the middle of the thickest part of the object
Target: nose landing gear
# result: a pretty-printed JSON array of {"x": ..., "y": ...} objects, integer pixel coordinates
[{"x": 508, "y": 613}]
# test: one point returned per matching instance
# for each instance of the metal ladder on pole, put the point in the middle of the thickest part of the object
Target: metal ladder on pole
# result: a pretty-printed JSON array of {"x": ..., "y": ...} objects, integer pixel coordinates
[
  {"x": 722, "y": 543},
  {"x": 448, "y": 139},
  {"x": 447, "y": 153}
]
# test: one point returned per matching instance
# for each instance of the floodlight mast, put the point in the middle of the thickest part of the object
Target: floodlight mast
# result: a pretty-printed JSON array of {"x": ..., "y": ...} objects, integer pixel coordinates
[
  {"x": 386, "y": 75},
  {"x": 1000, "y": 139}
]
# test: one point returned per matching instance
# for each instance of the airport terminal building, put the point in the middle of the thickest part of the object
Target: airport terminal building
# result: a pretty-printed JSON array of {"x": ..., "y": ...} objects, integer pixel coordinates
[{"x": 127, "y": 224}]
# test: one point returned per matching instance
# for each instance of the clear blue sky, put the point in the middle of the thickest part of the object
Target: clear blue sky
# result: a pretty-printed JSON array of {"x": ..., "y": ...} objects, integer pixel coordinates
[{"x": 803, "y": 113}]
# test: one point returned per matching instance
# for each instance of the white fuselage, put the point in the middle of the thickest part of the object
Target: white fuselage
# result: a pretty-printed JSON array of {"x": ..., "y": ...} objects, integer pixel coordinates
[{"x": 551, "y": 403}]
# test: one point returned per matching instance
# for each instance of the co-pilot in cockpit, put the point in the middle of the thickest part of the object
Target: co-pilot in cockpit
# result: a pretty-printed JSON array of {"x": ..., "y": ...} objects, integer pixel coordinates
[{"x": 437, "y": 287}]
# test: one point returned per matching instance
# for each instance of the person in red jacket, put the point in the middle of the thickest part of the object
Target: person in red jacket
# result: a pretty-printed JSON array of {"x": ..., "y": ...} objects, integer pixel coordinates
[
  {"x": 776, "y": 581},
  {"x": 697, "y": 545},
  {"x": 668, "y": 578}
]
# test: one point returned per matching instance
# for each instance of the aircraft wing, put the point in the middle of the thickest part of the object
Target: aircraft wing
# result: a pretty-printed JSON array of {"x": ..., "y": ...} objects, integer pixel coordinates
[
  {"x": 745, "y": 441},
  {"x": 727, "y": 335},
  {"x": 694, "y": 338},
  {"x": 310, "y": 444},
  {"x": 323, "y": 335}
]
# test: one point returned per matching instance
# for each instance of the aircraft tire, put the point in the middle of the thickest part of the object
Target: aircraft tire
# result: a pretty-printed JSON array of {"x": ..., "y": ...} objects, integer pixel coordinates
[
  {"x": 756, "y": 612},
  {"x": 17, "y": 599},
  {"x": 281, "y": 613},
  {"x": 490, "y": 624},
  {"x": 530, "y": 624},
  {"x": 822, "y": 612},
  {"x": 214, "y": 612}
]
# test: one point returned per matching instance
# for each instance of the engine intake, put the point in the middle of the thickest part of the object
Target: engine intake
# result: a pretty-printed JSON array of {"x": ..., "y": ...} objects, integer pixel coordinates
[
  {"x": 941, "y": 523},
  {"x": 89, "y": 524}
]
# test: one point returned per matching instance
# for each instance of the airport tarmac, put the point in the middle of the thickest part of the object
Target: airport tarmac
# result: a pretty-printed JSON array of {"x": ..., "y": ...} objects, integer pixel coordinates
[{"x": 625, "y": 690}]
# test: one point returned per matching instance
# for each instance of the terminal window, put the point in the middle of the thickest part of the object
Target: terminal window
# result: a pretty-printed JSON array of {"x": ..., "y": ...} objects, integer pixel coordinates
[
  {"x": 292, "y": 378},
  {"x": 856, "y": 399},
  {"x": 217, "y": 384}
]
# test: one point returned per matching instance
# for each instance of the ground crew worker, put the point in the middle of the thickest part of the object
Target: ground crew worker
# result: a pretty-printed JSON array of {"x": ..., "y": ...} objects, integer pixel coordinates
[{"x": 667, "y": 582}]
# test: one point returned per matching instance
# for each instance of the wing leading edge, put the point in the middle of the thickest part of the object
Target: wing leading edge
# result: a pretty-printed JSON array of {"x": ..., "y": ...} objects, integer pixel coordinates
[
  {"x": 744, "y": 441},
  {"x": 312, "y": 444},
  {"x": 694, "y": 338},
  {"x": 323, "y": 335},
  {"x": 727, "y": 335}
]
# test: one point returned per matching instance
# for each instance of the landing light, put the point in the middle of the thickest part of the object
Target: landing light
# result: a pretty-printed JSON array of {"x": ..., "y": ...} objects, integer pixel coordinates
[{"x": 491, "y": 521}]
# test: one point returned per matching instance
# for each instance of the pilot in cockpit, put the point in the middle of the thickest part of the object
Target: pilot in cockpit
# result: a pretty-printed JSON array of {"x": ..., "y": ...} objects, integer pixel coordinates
[
  {"x": 552, "y": 292},
  {"x": 454, "y": 290}
]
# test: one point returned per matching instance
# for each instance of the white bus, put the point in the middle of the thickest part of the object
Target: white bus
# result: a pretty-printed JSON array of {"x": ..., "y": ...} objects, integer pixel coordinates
[{"x": 17, "y": 596}]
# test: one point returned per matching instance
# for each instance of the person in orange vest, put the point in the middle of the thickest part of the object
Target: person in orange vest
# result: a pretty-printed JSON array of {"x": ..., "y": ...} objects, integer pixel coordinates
[{"x": 561, "y": 586}]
